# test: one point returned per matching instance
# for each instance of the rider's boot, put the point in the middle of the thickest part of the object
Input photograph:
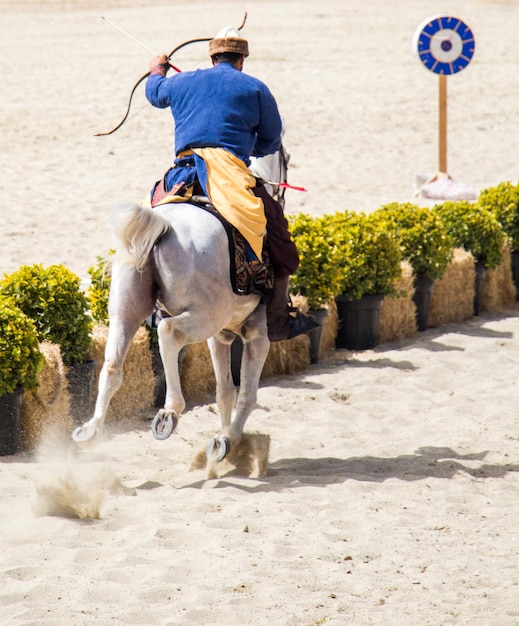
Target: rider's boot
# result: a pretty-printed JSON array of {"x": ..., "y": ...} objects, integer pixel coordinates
[{"x": 283, "y": 320}]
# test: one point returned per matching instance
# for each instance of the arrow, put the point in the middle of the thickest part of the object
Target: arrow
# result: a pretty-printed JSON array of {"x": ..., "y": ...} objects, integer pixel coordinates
[{"x": 285, "y": 185}]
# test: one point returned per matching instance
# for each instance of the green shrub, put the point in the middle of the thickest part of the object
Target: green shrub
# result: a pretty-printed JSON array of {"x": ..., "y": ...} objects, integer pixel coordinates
[
  {"x": 369, "y": 258},
  {"x": 421, "y": 236},
  {"x": 99, "y": 288},
  {"x": 20, "y": 356},
  {"x": 317, "y": 277},
  {"x": 475, "y": 229},
  {"x": 53, "y": 299},
  {"x": 503, "y": 201}
]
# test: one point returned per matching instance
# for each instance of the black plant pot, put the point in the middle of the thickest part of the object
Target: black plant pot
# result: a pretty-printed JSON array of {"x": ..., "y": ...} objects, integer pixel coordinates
[
  {"x": 515, "y": 272},
  {"x": 10, "y": 424},
  {"x": 423, "y": 288},
  {"x": 318, "y": 316},
  {"x": 359, "y": 322},
  {"x": 481, "y": 271},
  {"x": 80, "y": 377}
]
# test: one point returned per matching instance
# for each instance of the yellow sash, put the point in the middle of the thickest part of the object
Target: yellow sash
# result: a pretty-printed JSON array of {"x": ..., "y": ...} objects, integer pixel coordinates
[{"x": 229, "y": 185}]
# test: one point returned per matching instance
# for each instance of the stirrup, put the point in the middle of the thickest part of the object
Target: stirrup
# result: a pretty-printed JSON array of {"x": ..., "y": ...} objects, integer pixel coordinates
[{"x": 302, "y": 324}]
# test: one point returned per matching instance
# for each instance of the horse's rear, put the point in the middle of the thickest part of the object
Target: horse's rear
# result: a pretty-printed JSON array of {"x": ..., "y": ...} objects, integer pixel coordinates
[{"x": 179, "y": 254}]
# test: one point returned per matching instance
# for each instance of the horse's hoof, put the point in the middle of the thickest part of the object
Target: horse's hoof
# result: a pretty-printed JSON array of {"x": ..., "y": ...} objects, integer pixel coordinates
[
  {"x": 163, "y": 424},
  {"x": 218, "y": 448},
  {"x": 84, "y": 433}
]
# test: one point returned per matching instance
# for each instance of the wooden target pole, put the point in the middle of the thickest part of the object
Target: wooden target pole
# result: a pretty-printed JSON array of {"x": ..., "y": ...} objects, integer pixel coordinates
[
  {"x": 442, "y": 126},
  {"x": 445, "y": 45}
]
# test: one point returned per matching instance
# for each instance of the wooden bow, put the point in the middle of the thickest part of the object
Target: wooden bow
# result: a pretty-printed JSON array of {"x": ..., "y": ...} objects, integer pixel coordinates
[{"x": 144, "y": 76}]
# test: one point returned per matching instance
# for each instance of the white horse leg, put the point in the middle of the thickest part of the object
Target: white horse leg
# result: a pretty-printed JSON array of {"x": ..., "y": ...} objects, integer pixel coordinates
[
  {"x": 255, "y": 350},
  {"x": 220, "y": 349},
  {"x": 131, "y": 301},
  {"x": 170, "y": 345},
  {"x": 171, "y": 342}
]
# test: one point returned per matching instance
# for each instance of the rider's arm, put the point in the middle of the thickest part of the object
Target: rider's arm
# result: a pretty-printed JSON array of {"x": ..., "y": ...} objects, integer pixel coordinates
[
  {"x": 268, "y": 133},
  {"x": 159, "y": 65},
  {"x": 158, "y": 69}
]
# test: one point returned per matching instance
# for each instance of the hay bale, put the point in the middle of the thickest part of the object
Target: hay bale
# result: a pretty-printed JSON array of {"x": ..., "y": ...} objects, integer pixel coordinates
[
  {"x": 196, "y": 373},
  {"x": 136, "y": 391},
  {"x": 397, "y": 315},
  {"x": 498, "y": 287},
  {"x": 46, "y": 411},
  {"x": 331, "y": 325},
  {"x": 330, "y": 328},
  {"x": 452, "y": 297},
  {"x": 287, "y": 357},
  {"x": 300, "y": 302}
]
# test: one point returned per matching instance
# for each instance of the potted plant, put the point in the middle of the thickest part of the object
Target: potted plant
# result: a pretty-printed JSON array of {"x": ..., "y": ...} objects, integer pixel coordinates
[
  {"x": 318, "y": 276},
  {"x": 476, "y": 230},
  {"x": 20, "y": 362},
  {"x": 99, "y": 288},
  {"x": 503, "y": 201},
  {"x": 424, "y": 242},
  {"x": 369, "y": 258},
  {"x": 53, "y": 299},
  {"x": 369, "y": 263}
]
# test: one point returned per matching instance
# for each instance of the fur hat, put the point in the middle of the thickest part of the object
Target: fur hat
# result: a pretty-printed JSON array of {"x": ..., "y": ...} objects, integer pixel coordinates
[{"x": 228, "y": 40}]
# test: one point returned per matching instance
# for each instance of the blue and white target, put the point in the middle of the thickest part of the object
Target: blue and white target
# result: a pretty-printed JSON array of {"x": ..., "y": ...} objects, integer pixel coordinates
[{"x": 444, "y": 44}]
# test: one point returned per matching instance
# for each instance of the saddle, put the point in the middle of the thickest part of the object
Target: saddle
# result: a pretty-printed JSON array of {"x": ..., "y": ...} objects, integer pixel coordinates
[{"x": 247, "y": 274}]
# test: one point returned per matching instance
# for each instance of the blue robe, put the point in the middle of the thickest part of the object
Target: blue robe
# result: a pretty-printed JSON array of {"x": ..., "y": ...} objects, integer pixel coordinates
[{"x": 219, "y": 107}]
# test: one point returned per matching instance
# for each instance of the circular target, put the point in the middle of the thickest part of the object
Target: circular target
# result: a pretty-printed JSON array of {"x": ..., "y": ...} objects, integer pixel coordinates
[{"x": 444, "y": 44}]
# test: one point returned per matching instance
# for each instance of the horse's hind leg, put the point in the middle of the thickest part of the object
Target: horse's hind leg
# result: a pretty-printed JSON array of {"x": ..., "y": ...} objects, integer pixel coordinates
[
  {"x": 220, "y": 349},
  {"x": 131, "y": 301},
  {"x": 171, "y": 341},
  {"x": 255, "y": 350}
]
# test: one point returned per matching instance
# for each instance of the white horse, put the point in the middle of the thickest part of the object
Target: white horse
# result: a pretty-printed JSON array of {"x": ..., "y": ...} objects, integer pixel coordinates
[{"x": 180, "y": 253}]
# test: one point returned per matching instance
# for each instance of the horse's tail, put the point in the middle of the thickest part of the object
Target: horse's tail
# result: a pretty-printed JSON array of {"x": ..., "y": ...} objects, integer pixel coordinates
[{"x": 137, "y": 229}]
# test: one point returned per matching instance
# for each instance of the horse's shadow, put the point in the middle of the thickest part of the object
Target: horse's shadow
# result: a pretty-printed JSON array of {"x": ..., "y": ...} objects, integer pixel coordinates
[{"x": 426, "y": 462}]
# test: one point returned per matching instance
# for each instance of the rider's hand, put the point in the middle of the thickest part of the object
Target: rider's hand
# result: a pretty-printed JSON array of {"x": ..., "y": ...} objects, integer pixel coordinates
[{"x": 159, "y": 64}]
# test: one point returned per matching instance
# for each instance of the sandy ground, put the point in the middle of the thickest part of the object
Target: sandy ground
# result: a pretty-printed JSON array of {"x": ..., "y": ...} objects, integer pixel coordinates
[
  {"x": 361, "y": 110},
  {"x": 392, "y": 490}
]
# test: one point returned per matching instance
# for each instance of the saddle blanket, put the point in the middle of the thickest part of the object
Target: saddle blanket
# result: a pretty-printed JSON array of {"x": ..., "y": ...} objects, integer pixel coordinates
[{"x": 248, "y": 274}]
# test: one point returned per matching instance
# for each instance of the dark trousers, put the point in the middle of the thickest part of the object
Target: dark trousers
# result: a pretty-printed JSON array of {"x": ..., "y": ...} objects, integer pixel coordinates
[{"x": 282, "y": 249}]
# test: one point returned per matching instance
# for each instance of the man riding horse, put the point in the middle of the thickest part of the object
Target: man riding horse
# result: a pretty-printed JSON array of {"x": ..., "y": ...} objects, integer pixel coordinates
[{"x": 222, "y": 117}]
